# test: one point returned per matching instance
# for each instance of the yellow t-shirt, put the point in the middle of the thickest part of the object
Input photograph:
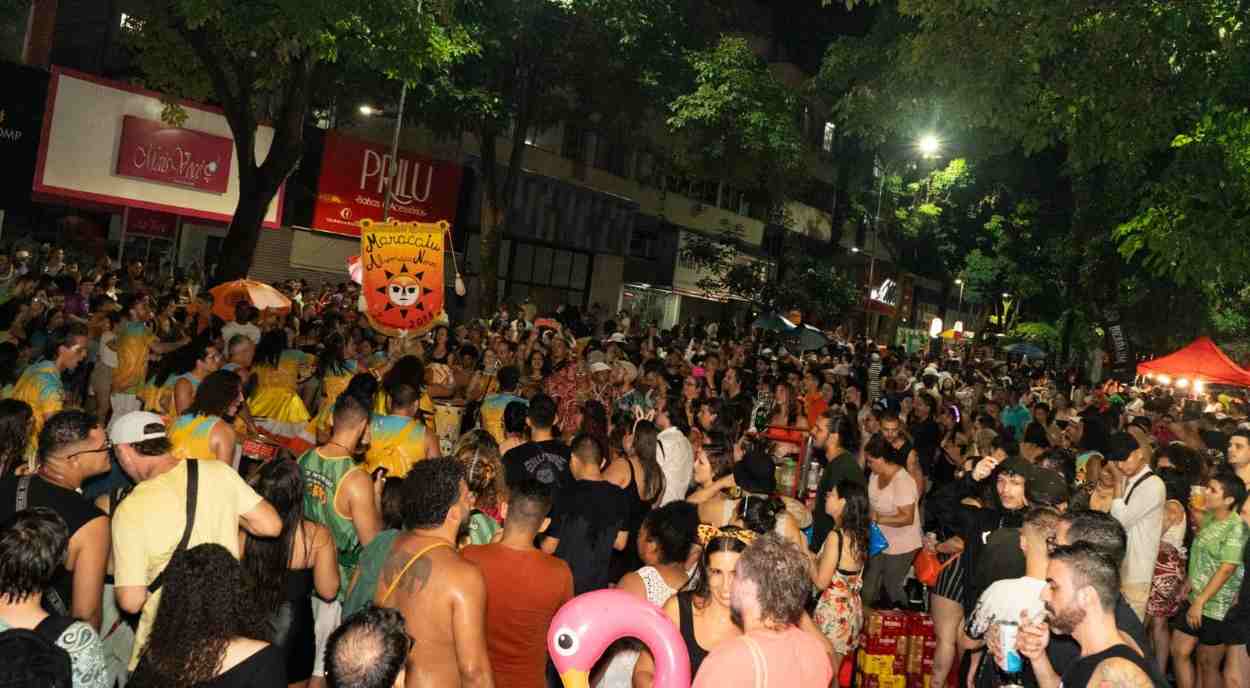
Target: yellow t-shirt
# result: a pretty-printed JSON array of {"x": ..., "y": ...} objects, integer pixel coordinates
[{"x": 148, "y": 525}]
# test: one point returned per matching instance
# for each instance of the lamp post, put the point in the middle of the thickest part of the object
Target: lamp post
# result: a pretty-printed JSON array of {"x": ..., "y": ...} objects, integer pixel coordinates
[{"x": 960, "y": 309}]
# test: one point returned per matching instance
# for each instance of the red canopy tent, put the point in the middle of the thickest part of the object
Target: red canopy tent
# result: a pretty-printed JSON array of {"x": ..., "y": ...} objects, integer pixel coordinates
[{"x": 1201, "y": 360}]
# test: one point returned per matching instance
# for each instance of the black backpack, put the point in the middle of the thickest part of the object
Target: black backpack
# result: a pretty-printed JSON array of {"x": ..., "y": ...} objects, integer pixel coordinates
[{"x": 32, "y": 659}]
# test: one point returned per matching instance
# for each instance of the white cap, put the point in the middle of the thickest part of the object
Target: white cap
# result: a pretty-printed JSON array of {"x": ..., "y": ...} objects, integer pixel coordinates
[
  {"x": 618, "y": 338},
  {"x": 135, "y": 427},
  {"x": 599, "y": 367}
]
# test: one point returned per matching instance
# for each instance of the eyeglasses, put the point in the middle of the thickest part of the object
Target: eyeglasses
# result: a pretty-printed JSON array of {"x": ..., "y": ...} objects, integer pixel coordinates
[{"x": 108, "y": 446}]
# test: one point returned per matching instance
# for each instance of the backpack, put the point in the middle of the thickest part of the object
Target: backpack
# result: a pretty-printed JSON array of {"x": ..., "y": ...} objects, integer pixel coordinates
[{"x": 32, "y": 659}]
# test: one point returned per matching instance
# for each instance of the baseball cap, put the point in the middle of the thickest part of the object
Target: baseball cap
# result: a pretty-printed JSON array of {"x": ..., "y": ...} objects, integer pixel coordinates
[
  {"x": 1120, "y": 445},
  {"x": 599, "y": 367},
  {"x": 135, "y": 427},
  {"x": 617, "y": 337},
  {"x": 631, "y": 370},
  {"x": 1046, "y": 488}
]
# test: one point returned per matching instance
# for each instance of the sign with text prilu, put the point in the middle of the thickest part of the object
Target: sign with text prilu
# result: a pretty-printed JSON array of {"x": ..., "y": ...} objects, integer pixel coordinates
[{"x": 403, "y": 273}]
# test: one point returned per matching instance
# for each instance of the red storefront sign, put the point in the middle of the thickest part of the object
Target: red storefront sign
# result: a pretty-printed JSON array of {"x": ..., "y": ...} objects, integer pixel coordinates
[
  {"x": 352, "y": 186},
  {"x": 172, "y": 155},
  {"x": 151, "y": 223}
]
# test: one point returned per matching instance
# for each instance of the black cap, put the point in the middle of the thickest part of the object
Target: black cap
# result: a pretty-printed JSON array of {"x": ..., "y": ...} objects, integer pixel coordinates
[
  {"x": 1142, "y": 422},
  {"x": 1046, "y": 488},
  {"x": 1120, "y": 445}
]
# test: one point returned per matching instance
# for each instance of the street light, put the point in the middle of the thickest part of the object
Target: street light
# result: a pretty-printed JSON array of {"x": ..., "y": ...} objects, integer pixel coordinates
[
  {"x": 369, "y": 110},
  {"x": 929, "y": 145},
  {"x": 960, "y": 309}
]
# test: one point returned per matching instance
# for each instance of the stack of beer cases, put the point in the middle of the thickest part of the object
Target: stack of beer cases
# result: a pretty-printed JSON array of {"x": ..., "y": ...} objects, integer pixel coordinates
[{"x": 896, "y": 650}]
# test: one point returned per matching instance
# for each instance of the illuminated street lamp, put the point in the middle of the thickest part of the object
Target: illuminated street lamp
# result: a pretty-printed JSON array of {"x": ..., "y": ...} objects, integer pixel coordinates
[
  {"x": 369, "y": 110},
  {"x": 929, "y": 145}
]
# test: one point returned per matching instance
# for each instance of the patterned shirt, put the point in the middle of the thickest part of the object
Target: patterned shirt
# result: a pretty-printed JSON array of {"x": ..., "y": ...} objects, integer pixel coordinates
[
  {"x": 1218, "y": 542},
  {"x": 133, "y": 344},
  {"x": 86, "y": 655}
]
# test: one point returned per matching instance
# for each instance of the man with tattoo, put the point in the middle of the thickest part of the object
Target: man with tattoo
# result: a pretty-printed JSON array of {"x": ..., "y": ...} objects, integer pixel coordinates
[
  {"x": 441, "y": 595},
  {"x": 1082, "y": 589}
]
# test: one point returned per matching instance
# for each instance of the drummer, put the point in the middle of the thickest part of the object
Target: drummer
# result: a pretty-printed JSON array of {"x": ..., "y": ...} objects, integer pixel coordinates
[
  {"x": 400, "y": 438},
  {"x": 202, "y": 432}
]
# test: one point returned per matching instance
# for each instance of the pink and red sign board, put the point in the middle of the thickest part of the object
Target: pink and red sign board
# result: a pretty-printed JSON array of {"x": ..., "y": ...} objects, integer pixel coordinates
[
  {"x": 352, "y": 186},
  {"x": 173, "y": 155},
  {"x": 150, "y": 223},
  {"x": 103, "y": 146}
]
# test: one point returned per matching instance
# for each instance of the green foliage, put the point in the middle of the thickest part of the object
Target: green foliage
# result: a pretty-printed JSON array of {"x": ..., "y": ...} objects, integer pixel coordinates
[
  {"x": 1192, "y": 221},
  {"x": 271, "y": 62},
  {"x": 1042, "y": 334},
  {"x": 814, "y": 284},
  {"x": 739, "y": 123}
]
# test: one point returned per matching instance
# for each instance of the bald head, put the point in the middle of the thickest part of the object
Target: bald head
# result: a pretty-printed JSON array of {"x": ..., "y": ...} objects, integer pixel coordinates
[{"x": 367, "y": 650}]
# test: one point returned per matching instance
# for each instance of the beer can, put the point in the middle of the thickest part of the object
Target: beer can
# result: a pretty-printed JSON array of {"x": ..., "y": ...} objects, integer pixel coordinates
[{"x": 1007, "y": 632}]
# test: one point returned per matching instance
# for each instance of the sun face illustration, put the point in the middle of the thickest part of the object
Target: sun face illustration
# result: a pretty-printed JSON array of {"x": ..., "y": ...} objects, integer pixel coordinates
[{"x": 402, "y": 291}]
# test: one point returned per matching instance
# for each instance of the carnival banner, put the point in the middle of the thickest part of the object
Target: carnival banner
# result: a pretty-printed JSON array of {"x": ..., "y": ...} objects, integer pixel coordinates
[{"x": 402, "y": 264}]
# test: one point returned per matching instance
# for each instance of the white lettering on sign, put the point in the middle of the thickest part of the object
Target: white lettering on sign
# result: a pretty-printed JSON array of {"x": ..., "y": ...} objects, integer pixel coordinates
[
  {"x": 410, "y": 186},
  {"x": 179, "y": 163}
]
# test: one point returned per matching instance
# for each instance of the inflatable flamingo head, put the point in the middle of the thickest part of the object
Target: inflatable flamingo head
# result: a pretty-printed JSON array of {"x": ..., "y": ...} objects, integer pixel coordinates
[{"x": 587, "y": 624}]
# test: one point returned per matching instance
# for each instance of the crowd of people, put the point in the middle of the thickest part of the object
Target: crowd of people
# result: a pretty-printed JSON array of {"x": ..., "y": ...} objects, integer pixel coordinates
[{"x": 293, "y": 499}]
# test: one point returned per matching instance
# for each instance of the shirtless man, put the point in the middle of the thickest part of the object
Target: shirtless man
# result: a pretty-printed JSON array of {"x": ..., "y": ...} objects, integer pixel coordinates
[{"x": 442, "y": 596}]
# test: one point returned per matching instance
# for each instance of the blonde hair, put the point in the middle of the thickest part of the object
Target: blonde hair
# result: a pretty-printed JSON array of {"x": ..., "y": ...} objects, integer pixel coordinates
[{"x": 478, "y": 453}]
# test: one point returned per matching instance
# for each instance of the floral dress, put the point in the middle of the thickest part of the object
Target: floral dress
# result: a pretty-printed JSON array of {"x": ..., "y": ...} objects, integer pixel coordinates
[
  {"x": 1168, "y": 585},
  {"x": 840, "y": 609}
]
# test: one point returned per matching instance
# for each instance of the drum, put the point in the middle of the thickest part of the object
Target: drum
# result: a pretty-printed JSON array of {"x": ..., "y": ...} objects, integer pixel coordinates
[
  {"x": 256, "y": 451},
  {"x": 447, "y": 418}
]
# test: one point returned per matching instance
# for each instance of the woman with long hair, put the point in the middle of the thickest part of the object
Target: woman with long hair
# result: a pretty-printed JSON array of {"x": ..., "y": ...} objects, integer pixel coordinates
[
  {"x": 276, "y": 403},
  {"x": 283, "y": 572},
  {"x": 335, "y": 367},
  {"x": 443, "y": 347},
  {"x": 693, "y": 390},
  {"x": 207, "y": 633},
  {"x": 640, "y": 475},
  {"x": 16, "y": 422},
  {"x": 665, "y": 540},
  {"x": 712, "y": 472},
  {"x": 477, "y": 451},
  {"x": 202, "y": 431},
  {"x": 10, "y": 371},
  {"x": 839, "y": 572},
  {"x": 702, "y": 612}
]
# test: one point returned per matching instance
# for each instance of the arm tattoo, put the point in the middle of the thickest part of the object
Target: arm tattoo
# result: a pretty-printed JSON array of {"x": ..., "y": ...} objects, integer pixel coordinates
[{"x": 1119, "y": 673}]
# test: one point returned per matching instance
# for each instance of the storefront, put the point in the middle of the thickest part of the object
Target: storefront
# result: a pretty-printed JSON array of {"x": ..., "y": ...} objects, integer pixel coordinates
[
  {"x": 140, "y": 189},
  {"x": 695, "y": 302}
]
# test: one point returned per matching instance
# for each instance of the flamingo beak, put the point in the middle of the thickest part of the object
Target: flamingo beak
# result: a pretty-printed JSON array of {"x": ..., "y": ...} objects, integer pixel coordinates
[{"x": 575, "y": 678}]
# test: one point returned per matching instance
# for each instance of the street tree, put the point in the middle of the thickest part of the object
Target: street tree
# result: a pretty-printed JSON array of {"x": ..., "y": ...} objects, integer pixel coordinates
[
  {"x": 539, "y": 62},
  {"x": 273, "y": 62}
]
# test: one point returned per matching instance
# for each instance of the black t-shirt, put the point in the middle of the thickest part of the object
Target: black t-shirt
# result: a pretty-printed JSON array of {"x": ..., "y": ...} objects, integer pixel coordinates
[
  {"x": 585, "y": 517},
  {"x": 842, "y": 469},
  {"x": 72, "y": 507},
  {"x": 1081, "y": 670},
  {"x": 265, "y": 669},
  {"x": 926, "y": 435},
  {"x": 546, "y": 461}
]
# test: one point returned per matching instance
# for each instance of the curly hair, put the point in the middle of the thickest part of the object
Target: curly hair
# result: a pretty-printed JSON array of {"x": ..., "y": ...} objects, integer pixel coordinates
[
  {"x": 64, "y": 428},
  {"x": 16, "y": 417},
  {"x": 196, "y": 621},
  {"x": 431, "y": 489},
  {"x": 856, "y": 515},
  {"x": 478, "y": 454},
  {"x": 215, "y": 395},
  {"x": 780, "y": 572},
  {"x": 32, "y": 546}
]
